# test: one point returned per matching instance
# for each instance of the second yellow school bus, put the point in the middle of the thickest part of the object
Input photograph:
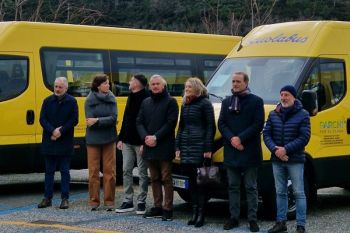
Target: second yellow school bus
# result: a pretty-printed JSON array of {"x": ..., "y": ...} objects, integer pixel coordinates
[
  {"x": 32, "y": 55},
  {"x": 314, "y": 57}
]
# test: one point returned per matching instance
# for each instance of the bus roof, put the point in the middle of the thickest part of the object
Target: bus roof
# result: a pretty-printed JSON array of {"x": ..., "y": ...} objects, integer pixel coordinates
[
  {"x": 27, "y": 36},
  {"x": 300, "y": 39}
]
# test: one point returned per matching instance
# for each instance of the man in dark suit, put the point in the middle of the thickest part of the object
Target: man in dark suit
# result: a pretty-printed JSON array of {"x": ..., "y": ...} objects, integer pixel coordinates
[
  {"x": 240, "y": 123},
  {"x": 156, "y": 124},
  {"x": 58, "y": 116}
]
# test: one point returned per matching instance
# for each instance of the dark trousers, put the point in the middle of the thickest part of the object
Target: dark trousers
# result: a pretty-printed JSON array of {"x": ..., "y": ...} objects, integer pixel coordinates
[
  {"x": 161, "y": 176},
  {"x": 234, "y": 187},
  {"x": 51, "y": 163},
  {"x": 198, "y": 193}
]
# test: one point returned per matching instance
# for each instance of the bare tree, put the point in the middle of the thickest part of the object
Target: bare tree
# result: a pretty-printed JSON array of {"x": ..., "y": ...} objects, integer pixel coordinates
[
  {"x": 261, "y": 11},
  {"x": 36, "y": 14},
  {"x": 18, "y": 9},
  {"x": 212, "y": 26},
  {"x": 235, "y": 24},
  {"x": 2, "y": 11},
  {"x": 84, "y": 15},
  {"x": 59, "y": 8}
]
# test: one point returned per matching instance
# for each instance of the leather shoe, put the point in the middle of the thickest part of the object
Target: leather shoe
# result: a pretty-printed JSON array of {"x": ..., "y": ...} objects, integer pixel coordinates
[
  {"x": 64, "y": 204},
  {"x": 45, "y": 203},
  {"x": 278, "y": 227},
  {"x": 230, "y": 224},
  {"x": 253, "y": 226},
  {"x": 300, "y": 229}
]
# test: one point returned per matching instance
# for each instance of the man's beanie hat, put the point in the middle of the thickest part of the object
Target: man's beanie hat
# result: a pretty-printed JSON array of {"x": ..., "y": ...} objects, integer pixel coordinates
[
  {"x": 141, "y": 78},
  {"x": 290, "y": 89}
]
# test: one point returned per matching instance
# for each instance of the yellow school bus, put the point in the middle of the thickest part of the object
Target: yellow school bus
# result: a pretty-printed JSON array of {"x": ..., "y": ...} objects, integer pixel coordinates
[
  {"x": 313, "y": 56},
  {"x": 32, "y": 55}
]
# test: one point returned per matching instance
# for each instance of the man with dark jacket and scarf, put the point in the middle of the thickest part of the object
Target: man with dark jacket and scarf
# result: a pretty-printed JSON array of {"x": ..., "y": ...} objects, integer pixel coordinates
[
  {"x": 240, "y": 123},
  {"x": 131, "y": 145},
  {"x": 286, "y": 133},
  {"x": 156, "y": 124},
  {"x": 58, "y": 116}
]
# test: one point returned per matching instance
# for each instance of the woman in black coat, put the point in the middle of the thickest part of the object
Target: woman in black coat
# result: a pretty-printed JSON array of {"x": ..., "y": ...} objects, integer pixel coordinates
[{"x": 194, "y": 141}]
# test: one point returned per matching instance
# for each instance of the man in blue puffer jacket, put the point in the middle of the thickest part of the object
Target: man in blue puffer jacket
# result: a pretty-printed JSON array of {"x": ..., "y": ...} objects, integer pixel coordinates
[{"x": 286, "y": 133}]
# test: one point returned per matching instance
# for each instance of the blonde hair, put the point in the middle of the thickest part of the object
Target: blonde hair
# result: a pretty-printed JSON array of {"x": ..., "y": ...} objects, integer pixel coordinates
[{"x": 197, "y": 86}]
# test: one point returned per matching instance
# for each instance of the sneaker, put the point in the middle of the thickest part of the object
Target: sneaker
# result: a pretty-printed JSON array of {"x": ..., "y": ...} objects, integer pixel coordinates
[
  {"x": 253, "y": 226},
  {"x": 231, "y": 223},
  {"x": 125, "y": 207},
  {"x": 45, "y": 203},
  {"x": 94, "y": 208},
  {"x": 167, "y": 215},
  {"x": 300, "y": 229},
  {"x": 141, "y": 208},
  {"x": 278, "y": 227},
  {"x": 64, "y": 204},
  {"x": 109, "y": 208},
  {"x": 154, "y": 212}
]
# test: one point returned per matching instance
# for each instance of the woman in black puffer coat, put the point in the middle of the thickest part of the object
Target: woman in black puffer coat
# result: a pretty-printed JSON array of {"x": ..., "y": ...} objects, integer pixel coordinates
[{"x": 194, "y": 141}]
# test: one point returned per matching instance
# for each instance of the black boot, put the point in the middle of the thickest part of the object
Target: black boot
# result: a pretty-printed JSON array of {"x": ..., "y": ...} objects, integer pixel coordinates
[
  {"x": 200, "y": 218},
  {"x": 193, "y": 220}
]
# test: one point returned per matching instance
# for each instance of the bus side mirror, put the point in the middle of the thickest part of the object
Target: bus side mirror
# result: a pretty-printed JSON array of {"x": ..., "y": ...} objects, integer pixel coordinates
[{"x": 309, "y": 101}]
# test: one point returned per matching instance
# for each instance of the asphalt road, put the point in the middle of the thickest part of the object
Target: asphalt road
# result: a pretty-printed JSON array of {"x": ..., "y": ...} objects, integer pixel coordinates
[{"x": 19, "y": 195}]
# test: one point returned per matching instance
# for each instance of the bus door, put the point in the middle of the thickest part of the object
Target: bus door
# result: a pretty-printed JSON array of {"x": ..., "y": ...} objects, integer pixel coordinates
[
  {"x": 327, "y": 77},
  {"x": 17, "y": 111}
]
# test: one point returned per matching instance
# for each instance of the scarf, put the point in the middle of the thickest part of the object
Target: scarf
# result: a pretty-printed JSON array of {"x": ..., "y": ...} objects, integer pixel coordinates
[
  {"x": 158, "y": 96},
  {"x": 235, "y": 105},
  {"x": 189, "y": 99},
  {"x": 284, "y": 112}
]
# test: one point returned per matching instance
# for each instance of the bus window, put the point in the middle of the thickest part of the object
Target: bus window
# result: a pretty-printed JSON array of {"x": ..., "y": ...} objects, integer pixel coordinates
[
  {"x": 327, "y": 80},
  {"x": 78, "y": 66},
  {"x": 266, "y": 75},
  {"x": 175, "y": 68},
  {"x": 13, "y": 76},
  {"x": 209, "y": 68}
]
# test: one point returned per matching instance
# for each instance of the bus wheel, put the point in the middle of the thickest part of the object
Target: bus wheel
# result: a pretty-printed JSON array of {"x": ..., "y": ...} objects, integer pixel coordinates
[
  {"x": 185, "y": 195},
  {"x": 291, "y": 212}
]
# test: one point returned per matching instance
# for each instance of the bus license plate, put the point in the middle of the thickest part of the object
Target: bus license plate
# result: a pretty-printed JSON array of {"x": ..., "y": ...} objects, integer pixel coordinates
[{"x": 180, "y": 183}]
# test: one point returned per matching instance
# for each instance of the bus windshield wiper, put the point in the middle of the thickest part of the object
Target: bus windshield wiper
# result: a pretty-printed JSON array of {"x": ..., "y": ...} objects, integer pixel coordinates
[{"x": 216, "y": 96}]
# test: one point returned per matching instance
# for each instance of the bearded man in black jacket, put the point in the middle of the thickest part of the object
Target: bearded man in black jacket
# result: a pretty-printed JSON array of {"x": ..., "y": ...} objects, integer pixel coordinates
[{"x": 156, "y": 124}]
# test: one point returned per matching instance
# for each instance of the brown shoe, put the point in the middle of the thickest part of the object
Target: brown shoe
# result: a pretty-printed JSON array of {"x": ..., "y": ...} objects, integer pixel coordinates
[
  {"x": 64, "y": 204},
  {"x": 45, "y": 203}
]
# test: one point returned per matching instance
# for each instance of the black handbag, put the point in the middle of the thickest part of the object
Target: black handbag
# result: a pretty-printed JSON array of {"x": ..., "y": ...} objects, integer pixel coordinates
[{"x": 208, "y": 175}]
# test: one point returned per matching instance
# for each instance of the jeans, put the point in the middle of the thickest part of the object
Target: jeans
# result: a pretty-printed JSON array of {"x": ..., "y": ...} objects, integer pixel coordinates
[
  {"x": 50, "y": 168},
  {"x": 106, "y": 154},
  {"x": 281, "y": 173},
  {"x": 234, "y": 176},
  {"x": 161, "y": 176},
  {"x": 130, "y": 154}
]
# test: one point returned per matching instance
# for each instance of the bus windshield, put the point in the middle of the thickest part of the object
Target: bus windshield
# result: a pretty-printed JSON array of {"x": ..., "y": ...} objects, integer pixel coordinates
[{"x": 267, "y": 75}]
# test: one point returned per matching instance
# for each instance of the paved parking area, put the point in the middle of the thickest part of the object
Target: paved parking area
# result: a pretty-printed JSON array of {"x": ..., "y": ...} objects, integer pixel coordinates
[{"x": 19, "y": 198}]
